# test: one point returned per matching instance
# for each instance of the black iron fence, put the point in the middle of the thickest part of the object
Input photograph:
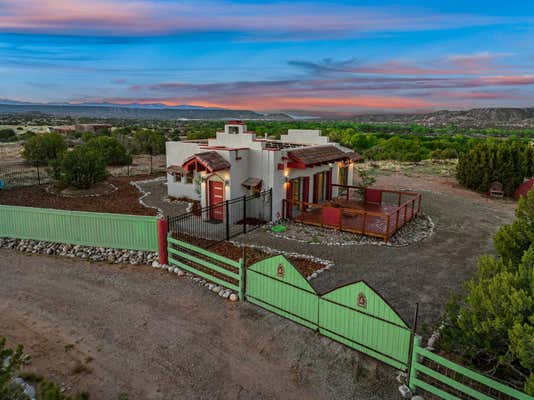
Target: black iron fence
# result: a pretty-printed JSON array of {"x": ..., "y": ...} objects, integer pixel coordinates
[
  {"x": 223, "y": 221},
  {"x": 20, "y": 174}
]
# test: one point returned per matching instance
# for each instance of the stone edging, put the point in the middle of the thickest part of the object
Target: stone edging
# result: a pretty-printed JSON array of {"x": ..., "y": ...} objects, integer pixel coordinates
[
  {"x": 363, "y": 240},
  {"x": 114, "y": 189},
  {"x": 144, "y": 194},
  {"x": 327, "y": 263}
]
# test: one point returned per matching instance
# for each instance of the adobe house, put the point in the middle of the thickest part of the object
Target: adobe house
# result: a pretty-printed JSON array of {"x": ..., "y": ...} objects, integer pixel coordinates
[{"x": 301, "y": 166}]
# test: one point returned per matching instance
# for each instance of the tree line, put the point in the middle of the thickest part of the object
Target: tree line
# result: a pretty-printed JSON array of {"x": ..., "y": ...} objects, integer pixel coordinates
[
  {"x": 507, "y": 162},
  {"x": 83, "y": 163}
]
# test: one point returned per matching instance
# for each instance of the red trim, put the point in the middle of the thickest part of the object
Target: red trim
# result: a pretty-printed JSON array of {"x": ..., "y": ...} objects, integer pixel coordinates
[
  {"x": 289, "y": 197},
  {"x": 329, "y": 184},
  {"x": 280, "y": 166},
  {"x": 306, "y": 189},
  {"x": 316, "y": 188},
  {"x": 296, "y": 165}
]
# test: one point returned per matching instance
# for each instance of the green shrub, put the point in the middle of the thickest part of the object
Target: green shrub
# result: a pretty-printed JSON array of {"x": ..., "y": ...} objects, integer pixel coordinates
[
  {"x": 8, "y": 135},
  {"x": 81, "y": 168},
  {"x": 41, "y": 149},
  {"x": 110, "y": 149},
  {"x": 490, "y": 323},
  {"x": 507, "y": 162}
]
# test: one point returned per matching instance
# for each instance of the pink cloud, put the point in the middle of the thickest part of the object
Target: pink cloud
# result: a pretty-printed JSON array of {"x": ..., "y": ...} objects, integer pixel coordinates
[{"x": 157, "y": 17}]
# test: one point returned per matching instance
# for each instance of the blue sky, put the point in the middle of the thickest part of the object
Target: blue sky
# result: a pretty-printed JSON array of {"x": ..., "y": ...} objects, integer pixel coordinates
[{"x": 328, "y": 56}]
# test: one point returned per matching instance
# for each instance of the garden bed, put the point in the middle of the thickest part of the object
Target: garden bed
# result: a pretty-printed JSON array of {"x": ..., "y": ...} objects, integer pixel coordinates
[
  {"x": 124, "y": 200},
  {"x": 304, "y": 265}
]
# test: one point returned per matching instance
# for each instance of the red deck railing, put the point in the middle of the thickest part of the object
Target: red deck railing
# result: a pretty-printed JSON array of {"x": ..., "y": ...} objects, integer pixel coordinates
[{"x": 365, "y": 211}]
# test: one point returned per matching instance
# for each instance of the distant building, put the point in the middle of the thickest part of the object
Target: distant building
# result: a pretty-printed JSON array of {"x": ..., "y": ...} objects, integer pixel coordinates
[
  {"x": 301, "y": 166},
  {"x": 92, "y": 128}
]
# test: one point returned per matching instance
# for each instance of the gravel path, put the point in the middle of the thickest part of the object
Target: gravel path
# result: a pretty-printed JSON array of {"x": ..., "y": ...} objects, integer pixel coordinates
[
  {"x": 156, "y": 192},
  {"x": 148, "y": 334},
  {"x": 424, "y": 272}
]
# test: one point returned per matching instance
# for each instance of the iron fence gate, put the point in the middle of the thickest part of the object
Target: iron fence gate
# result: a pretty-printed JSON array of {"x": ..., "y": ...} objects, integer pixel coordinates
[{"x": 240, "y": 215}]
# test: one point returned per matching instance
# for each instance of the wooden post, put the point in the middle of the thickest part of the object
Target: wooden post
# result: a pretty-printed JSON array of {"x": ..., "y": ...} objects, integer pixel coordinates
[
  {"x": 415, "y": 342},
  {"x": 163, "y": 228},
  {"x": 227, "y": 218},
  {"x": 413, "y": 208},
  {"x": 419, "y": 205},
  {"x": 364, "y": 222},
  {"x": 405, "y": 213},
  {"x": 397, "y": 219},
  {"x": 243, "y": 276}
]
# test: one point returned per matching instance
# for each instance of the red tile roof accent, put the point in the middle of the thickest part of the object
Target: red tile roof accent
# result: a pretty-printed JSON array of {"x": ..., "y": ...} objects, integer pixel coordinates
[
  {"x": 314, "y": 155},
  {"x": 211, "y": 160}
]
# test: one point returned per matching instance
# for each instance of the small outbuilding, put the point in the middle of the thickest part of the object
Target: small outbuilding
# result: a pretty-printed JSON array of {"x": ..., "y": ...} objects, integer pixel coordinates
[{"x": 524, "y": 188}]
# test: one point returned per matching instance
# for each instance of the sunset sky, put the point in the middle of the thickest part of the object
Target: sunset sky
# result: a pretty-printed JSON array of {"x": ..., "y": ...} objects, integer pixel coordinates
[{"x": 327, "y": 56}]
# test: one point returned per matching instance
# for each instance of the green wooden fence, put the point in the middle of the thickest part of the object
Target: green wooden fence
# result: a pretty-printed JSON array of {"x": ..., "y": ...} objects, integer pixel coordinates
[
  {"x": 208, "y": 265},
  {"x": 359, "y": 317},
  {"x": 82, "y": 228},
  {"x": 354, "y": 314},
  {"x": 419, "y": 373},
  {"x": 277, "y": 286}
]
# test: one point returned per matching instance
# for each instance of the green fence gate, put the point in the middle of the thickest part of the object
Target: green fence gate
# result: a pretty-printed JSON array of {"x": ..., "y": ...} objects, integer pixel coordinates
[
  {"x": 354, "y": 314},
  {"x": 357, "y": 316},
  {"x": 276, "y": 285}
]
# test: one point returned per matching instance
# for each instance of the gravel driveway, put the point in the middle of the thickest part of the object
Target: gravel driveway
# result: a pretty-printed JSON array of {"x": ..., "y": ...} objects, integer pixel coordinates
[
  {"x": 151, "y": 335},
  {"x": 425, "y": 272}
]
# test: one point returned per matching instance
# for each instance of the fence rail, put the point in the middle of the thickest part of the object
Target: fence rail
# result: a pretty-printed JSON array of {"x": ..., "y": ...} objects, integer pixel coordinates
[
  {"x": 419, "y": 373},
  {"x": 225, "y": 220},
  {"x": 76, "y": 227},
  {"x": 208, "y": 265}
]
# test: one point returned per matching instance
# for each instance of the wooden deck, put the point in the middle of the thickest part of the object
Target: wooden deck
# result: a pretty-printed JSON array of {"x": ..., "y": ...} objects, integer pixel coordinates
[{"x": 357, "y": 216}]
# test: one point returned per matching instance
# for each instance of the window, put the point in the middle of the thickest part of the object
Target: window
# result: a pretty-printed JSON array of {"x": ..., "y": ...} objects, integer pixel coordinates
[{"x": 189, "y": 177}]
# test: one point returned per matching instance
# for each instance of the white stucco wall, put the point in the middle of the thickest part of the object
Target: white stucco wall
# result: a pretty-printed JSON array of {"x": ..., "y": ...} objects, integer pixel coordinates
[
  {"x": 304, "y": 136},
  {"x": 176, "y": 153}
]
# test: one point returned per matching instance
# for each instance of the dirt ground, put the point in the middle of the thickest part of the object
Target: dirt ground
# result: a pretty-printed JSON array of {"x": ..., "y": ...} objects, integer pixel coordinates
[
  {"x": 425, "y": 272},
  {"x": 125, "y": 200},
  {"x": 151, "y": 335}
]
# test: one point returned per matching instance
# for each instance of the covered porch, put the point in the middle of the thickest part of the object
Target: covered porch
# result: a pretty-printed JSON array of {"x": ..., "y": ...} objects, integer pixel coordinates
[{"x": 365, "y": 211}]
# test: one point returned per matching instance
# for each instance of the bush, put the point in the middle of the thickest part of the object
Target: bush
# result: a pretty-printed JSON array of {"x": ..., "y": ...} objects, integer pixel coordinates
[
  {"x": 113, "y": 152},
  {"x": 491, "y": 322},
  {"x": 41, "y": 149},
  {"x": 81, "y": 168},
  {"x": 8, "y": 135},
  {"x": 507, "y": 162}
]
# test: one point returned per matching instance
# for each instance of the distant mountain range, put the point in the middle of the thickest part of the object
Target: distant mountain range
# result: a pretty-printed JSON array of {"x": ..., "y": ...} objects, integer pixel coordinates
[
  {"x": 474, "y": 118},
  {"x": 155, "y": 111}
]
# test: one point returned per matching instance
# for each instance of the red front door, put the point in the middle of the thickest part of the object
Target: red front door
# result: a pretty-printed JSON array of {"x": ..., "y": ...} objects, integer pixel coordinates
[{"x": 216, "y": 196}]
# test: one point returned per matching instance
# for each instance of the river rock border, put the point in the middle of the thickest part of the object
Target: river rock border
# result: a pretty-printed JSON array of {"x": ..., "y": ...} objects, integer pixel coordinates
[
  {"x": 419, "y": 229},
  {"x": 49, "y": 190},
  {"x": 94, "y": 254}
]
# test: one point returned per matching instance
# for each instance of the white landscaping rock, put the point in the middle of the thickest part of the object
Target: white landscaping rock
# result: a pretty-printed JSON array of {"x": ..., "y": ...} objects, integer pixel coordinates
[
  {"x": 180, "y": 272},
  {"x": 233, "y": 297},
  {"x": 405, "y": 392},
  {"x": 155, "y": 264}
]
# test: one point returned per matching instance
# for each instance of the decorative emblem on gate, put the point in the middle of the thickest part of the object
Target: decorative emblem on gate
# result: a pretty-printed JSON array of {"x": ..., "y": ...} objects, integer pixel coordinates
[
  {"x": 362, "y": 300},
  {"x": 280, "y": 271}
]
